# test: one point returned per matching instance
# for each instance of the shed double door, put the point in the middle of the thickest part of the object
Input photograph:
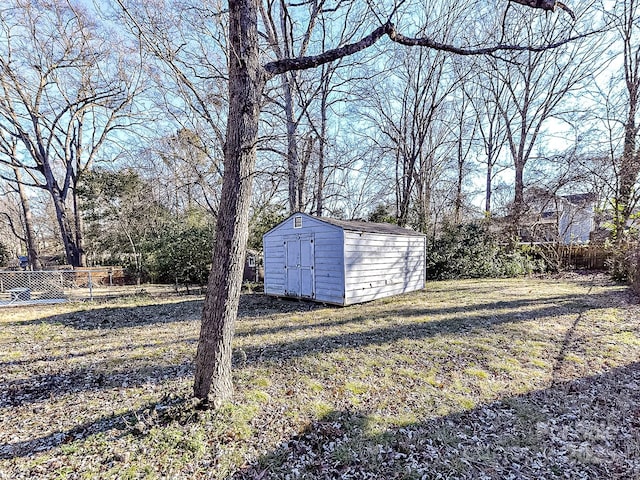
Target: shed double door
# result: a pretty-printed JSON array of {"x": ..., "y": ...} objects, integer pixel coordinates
[{"x": 299, "y": 267}]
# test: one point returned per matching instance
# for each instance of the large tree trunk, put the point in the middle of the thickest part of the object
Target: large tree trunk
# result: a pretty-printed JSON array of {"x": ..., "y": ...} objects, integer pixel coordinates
[
  {"x": 246, "y": 81},
  {"x": 518, "y": 198},
  {"x": 487, "y": 197},
  {"x": 62, "y": 217},
  {"x": 629, "y": 163},
  {"x": 79, "y": 231},
  {"x": 66, "y": 232},
  {"x": 30, "y": 237},
  {"x": 293, "y": 161},
  {"x": 321, "y": 149}
]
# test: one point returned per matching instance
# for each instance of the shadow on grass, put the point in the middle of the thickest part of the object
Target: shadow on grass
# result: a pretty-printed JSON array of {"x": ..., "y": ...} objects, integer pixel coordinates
[
  {"x": 498, "y": 422},
  {"x": 586, "y": 428},
  {"x": 93, "y": 352},
  {"x": 162, "y": 412},
  {"x": 101, "y": 374},
  {"x": 36, "y": 388},
  {"x": 352, "y": 315},
  {"x": 485, "y": 317},
  {"x": 113, "y": 317}
]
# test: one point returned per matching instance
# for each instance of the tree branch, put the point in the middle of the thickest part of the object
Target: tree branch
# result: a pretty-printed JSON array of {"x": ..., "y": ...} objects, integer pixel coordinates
[
  {"x": 303, "y": 63},
  {"x": 550, "y": 5},
  {"x": 289, "y": 64},
  {"x": 428, "y": 42}
]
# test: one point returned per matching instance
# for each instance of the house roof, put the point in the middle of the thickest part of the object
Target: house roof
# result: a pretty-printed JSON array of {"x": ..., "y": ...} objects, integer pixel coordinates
[
  {"x": 369, "y": 227},
  {"x": 580, "y": 198}
]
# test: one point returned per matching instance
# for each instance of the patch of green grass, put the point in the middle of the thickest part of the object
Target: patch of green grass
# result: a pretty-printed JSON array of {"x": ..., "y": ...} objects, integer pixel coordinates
[
  {"x": 262, "y": 382},
  {"x": 505, "y": 365},
  {"x": 258, "y": 396},
  {"x": 321, "y": 409},
  {"x": 477, "y": 373},
  {"x": 573, "y": 358},
  {"x": 356, "y": 387},
  {"x": 314, "y": 386}
]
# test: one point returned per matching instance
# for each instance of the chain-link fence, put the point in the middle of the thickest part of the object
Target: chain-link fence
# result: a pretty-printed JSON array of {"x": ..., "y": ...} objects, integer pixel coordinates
[{"x": 33, "y": 287}]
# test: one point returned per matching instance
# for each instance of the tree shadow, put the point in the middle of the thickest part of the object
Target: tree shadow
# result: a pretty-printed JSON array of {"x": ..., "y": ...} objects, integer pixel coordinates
[
  {"x": 101, "y": 374},
  {"x": 352, "y": 314},
  {"x": 581, "y": 429},
  {"x": 162, "y": 412},
  {"x": 113, "y": 317},
  {"x": 98, "y": 376},
  {"x": 36, "y": 388},
  {"x": 485, "y": 317},
  {"x": 99, "y": 351}
]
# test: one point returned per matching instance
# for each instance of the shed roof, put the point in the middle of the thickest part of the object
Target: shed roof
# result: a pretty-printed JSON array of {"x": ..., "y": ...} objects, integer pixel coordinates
[{"x": 370, "y": 227}]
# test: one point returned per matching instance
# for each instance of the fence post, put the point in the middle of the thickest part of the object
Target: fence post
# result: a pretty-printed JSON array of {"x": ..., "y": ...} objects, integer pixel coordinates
[{"x": 90, "y": 287}]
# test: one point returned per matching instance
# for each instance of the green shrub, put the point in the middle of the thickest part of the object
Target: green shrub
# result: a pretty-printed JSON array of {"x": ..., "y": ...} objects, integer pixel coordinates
[
  {"x": 624, "y": 262},
  {"x": 262, "y": 221},
  {"x": 471, "y": 251},
  {"x": 182, "y": 255},
  {"x": 5, "y": 255}
]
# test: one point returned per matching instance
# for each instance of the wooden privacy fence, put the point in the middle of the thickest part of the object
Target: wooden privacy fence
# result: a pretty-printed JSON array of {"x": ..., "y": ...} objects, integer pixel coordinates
[{"x": 587, "y": 257}]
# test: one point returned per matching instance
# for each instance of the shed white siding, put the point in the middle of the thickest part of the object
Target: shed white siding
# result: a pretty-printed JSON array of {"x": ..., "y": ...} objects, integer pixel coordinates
[
  {"x": 341, "y": 262},
  {"x": 328, "y": 273},
  {"x": 378, "y": 265}
]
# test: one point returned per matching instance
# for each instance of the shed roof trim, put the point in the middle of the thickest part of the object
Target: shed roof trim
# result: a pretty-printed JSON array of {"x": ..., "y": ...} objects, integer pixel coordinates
[{"x": 369, "y": 227}]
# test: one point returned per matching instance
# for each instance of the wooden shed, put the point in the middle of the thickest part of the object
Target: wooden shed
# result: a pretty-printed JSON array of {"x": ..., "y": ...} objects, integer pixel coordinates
[{"x": 341, "y": 262}]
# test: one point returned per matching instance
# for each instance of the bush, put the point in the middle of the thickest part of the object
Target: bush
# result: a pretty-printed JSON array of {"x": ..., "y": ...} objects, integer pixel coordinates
[
  {"x": 183, "y": 255},
  {"x": 471, "y": 251},
  {"x": 263, "y": 221},
  {"x": 5, "y": 255},
  {"x": 624, "y": 263}
]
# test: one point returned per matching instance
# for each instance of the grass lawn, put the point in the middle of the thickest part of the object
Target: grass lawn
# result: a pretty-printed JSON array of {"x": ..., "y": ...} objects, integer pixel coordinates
[{"x": 522, "y": 379}]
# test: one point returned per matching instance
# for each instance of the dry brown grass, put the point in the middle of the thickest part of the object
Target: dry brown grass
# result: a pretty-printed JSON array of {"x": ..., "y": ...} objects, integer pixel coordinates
[{"x": 525, "y": 378}]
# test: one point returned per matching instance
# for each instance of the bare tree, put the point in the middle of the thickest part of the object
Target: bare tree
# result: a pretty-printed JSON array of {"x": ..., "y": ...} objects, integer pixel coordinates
[
  {"x": 15, "y": 184},
  {"x": 247, "y": 79},
  {"x": 628, "y": 166},
  {"x": 465, "y": 130},
  {"x": 486, "y": 92},
  {"x": 536, "y": 83},
  {"x": 63, "y": 94},
  {"x": 186, "y": 59},
  {"x": 409, "y": 106},
  {"x": 298, "y": 90}
]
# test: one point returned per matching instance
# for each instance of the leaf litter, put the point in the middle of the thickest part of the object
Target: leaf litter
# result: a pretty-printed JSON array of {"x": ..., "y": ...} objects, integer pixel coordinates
[{"x": 496, "y": 379}]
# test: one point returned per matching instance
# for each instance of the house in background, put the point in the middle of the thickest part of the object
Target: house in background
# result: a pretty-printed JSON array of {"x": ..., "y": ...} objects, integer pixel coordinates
[
  {"x": 566, "y": 219},
  {"x": 342, "y": 262},
  {"x": 253, "y": 271}
]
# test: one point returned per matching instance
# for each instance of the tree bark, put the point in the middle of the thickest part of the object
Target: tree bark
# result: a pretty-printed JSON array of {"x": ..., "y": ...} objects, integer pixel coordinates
[
  {"x": 30, "y": 237},
  {"x": 58, "y": 198},
  {"x": 79, "y": 231},
  {"x": 550, "y": 5},
  {"x": 518, "y": 199},
  {"x": 488, "y": 191},
  {"x": 321, "y": 148},
  {"x": 66, "y": 232},
  {"x": 630, "y": 161},
  {"x": 213, "y": 382},
  {"x": 293, "y": 160}
]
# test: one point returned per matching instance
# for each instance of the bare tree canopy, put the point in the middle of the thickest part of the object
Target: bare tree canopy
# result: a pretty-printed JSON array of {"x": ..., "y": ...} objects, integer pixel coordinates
[
  {"x": 63, "y": 94},
  {"x": 247, "y": 80}
]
